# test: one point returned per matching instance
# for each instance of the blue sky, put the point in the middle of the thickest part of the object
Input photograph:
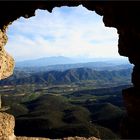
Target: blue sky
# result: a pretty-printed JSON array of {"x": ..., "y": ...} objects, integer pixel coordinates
[{"x": 70, "y": 32}]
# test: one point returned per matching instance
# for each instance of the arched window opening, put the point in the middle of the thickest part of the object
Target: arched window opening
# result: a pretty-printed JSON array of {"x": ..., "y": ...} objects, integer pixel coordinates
[{"x": 68, "y": 76}]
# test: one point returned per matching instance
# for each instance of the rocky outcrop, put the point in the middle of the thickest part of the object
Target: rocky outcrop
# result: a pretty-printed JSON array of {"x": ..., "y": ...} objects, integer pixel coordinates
[
  {"x": 6, "y": 61},
  {"x": 7, "y": 124}
]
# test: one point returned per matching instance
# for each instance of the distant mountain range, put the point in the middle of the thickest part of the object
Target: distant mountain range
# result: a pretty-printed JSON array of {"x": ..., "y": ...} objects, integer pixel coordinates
[
  {"x": 64, "y": 63},
  {"x": 64, "y": 70},
  {"x": 47, "y": 61},
  {"x": 66, "y": 77}
]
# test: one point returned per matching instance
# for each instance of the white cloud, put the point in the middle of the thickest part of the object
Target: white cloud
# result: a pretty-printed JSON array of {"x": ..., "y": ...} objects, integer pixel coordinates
[{"x": 66, "y": 31}]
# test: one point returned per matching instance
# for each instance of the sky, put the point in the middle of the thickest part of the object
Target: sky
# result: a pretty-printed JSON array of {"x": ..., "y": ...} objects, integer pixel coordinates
[{"x": 70, "y": 32}]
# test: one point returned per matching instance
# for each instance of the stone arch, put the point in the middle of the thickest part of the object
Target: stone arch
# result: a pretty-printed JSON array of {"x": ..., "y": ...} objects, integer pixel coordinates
[{"x": 124, "y": 16}]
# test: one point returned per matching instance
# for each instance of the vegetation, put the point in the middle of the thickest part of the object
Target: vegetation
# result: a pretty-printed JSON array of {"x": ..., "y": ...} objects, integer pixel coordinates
[
  {"x": 55, "y": 104},
  {"x": 68, "y": 77}
]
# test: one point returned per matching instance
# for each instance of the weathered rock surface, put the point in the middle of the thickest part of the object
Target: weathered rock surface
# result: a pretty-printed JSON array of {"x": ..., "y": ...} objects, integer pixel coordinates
[
  {"x": 7, "y": 124},
  {"x": 6, "y": 61}
]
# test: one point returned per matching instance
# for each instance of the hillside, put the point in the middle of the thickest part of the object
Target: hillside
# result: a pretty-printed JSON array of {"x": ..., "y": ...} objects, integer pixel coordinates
[
  {"x": 81, "y": 101},
  {"x": 57, "y": 111},
  {"x": 60, "y": 119},
  {"x": 68, "y": 76},
  {"x": 81, "y": 113}
]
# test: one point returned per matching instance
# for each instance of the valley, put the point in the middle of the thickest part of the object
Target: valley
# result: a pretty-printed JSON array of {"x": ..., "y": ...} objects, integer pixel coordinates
[{"x": 74, "y": 102}]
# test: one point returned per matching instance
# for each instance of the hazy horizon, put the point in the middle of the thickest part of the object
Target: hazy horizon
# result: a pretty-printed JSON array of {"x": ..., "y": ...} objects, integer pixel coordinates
[
  {"x": 68, "y": 31},
  {"x": 94, "y": 59},
  {"x": 61, "y": 60}
]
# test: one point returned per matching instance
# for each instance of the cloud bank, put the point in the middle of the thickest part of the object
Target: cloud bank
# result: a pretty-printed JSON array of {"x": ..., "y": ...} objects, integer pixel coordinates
[{"x": 71, "y": 32}]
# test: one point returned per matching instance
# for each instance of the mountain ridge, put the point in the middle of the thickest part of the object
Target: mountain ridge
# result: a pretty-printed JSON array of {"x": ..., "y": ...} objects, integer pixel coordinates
[
  {"x": 99, "y": 66},
  {"x": 56, "y": 60},
  {"x": 68, "y": 76}
]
